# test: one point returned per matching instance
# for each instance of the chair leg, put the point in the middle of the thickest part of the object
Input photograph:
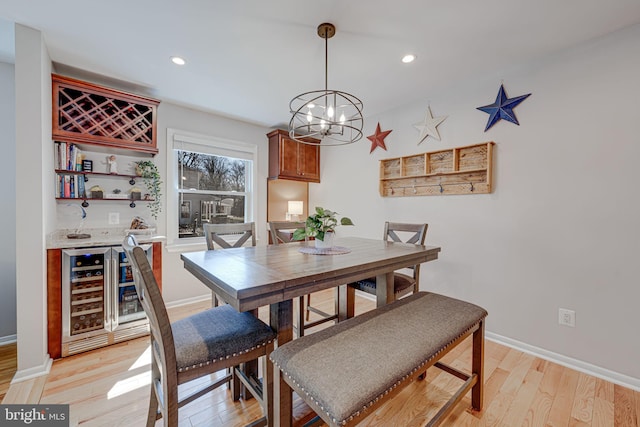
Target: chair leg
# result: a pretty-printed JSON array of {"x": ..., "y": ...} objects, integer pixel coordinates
[
  {"x": 477, "y": 362},
  {"x": 267, "y": 388},
  {"x": 308, "y": 305},
  {"x": 214, "y": 299},
  {"x": 301, "y": 316},
  {"x": 236, "y": 385},
  {"x": 152, "y": 414}
]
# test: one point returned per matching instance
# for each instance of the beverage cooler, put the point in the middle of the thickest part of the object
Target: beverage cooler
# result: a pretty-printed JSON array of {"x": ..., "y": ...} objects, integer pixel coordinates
[{"x": 100, "y": 305}]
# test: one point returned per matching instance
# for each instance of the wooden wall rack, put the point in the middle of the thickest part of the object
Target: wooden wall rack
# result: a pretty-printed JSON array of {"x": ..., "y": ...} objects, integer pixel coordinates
[{"x": 460, "y": 170}]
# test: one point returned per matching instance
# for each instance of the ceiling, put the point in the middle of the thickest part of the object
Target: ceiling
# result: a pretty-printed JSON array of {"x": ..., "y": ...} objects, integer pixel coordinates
[{"x": 247, "y": 58}]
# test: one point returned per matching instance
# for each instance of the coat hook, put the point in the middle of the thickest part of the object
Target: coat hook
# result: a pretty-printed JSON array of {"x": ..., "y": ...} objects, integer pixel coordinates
[
  {"x": 441, "y": 189},
  {"x": 471, "y": 187},
  {"x": 392, "y": 191},
  {"x": 414, "y": 190}
]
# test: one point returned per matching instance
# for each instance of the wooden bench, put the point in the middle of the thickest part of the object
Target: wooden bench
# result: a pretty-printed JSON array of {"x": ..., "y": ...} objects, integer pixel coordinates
[{"x": 348, "y": 370}]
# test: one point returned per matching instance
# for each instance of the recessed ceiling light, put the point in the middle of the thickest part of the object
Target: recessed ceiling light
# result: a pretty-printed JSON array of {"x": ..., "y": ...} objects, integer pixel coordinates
[
  {"x": 177, "y": 60},
  {"x": 408, "y": 58}
]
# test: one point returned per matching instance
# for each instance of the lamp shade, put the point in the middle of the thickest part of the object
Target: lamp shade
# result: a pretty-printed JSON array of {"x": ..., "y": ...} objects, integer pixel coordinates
[{"x": 295, "y": 207}]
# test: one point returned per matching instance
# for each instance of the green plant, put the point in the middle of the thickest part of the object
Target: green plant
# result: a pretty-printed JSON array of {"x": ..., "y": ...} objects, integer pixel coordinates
[
  {"x": 321, "y": 222},
  {"x": 151, "y": 177}
]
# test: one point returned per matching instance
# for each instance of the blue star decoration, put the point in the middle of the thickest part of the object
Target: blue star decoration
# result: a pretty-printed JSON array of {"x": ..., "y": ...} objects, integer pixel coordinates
[{"x": 502, "y": 108}]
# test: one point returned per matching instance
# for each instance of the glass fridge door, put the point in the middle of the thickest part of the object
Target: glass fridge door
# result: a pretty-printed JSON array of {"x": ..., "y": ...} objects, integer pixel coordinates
[
  {"x": 127, "y": 307},
  {"x": 85, "y": 285}
]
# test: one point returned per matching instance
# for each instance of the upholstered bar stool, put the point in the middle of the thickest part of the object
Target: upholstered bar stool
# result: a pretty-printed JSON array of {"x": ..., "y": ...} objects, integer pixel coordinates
[{"x": 207, "y": 342}]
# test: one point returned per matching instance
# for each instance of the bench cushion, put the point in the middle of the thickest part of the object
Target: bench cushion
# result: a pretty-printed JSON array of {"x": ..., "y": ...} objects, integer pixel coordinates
[{"x": 349, "y": 366}]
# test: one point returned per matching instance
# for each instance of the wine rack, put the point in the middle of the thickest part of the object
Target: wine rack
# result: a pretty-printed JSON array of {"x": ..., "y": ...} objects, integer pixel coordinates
[
  {"x": 86, "y": 113},
  {"x": 87, "y": 293}
]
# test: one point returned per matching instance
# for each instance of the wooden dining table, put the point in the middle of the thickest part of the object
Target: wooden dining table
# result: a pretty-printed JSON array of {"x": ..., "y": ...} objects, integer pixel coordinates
[{"x": 274, "y": 275}]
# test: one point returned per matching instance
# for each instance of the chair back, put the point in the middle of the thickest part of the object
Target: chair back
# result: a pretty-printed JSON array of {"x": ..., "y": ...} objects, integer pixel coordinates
[
  {"x": 278, "y": 235},
  {"x": 417, "y": 235},
  {"x": 164, "y": 372},
  {"x": 213, "y": 233}
]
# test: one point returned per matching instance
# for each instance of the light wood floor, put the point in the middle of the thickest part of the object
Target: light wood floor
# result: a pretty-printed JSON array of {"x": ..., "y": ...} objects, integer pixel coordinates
[
  {"x": 109, "y": 387},
  {"x": 8, "y": 366}
]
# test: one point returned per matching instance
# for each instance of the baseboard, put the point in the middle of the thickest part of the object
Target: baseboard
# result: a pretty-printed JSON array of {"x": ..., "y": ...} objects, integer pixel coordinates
[
  {"x": 365, "y": 295},
  {"x": 37, "y": 371},
  {"x": 578, "y": 365},
  {"x": 9, "y": 339},
  {"x": 187, "y": 301}
]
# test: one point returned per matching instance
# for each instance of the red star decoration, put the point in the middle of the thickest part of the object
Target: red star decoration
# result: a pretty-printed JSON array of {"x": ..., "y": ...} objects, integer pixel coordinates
[{"x": 377, "y": 139}]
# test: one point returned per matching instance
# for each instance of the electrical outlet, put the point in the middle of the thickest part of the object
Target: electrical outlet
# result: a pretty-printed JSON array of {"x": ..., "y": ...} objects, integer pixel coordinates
[
  {"x": 114, "y": 218},
  {"x": 567, "y": 317}
]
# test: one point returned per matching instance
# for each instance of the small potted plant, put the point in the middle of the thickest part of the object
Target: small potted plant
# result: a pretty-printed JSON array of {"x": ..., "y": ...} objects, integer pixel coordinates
[
  {"x": 321, "y": 226},
  {"x": 151, "y": 177}
]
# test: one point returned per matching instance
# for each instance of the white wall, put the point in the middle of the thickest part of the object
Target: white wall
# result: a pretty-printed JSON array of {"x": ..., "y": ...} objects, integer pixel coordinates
[
  {"x": 8, "y": 194},
  {"x": 561, "y": 228},
  {"x": 34, "y": 202}
]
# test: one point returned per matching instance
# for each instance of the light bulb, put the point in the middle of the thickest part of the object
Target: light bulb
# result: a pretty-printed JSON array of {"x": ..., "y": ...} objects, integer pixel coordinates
[
  {"x": 311, "y": 105},
  {"x": 309, "y": 116},
  {"x": 342, "y": 118},
  {"x": 408, "y": 58},
  {"x": 330, "y": 112},
  {"x": 322, "y": 124}
]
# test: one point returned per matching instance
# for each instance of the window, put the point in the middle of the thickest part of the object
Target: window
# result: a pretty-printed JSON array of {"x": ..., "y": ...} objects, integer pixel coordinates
[
  {"x": 213, "y": 183},
  {"x": 211, "y": 190}
]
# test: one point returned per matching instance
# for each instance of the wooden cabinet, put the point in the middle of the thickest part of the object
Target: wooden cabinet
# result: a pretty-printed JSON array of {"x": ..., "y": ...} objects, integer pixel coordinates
[
  {"x": 291, "y": 159},
  {"x": 54, "y": 297},
  {"x": 87, "y": 113}
]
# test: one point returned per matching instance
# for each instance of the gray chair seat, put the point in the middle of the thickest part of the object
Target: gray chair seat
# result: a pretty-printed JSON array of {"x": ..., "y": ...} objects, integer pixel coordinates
[
  {"x": 214, "y": 334},
  {"x": 401, "y": 282}
]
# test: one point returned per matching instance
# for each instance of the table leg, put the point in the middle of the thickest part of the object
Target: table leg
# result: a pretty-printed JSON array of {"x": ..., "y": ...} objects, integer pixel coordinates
[
  {"x": 346, "y": 302},
  {"x": 281, "y": 319},
  {"x": 384, "y": 289}
]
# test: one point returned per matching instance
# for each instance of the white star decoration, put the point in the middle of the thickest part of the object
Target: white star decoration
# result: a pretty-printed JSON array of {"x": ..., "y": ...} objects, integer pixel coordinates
[{"x": 429, "y": 126}]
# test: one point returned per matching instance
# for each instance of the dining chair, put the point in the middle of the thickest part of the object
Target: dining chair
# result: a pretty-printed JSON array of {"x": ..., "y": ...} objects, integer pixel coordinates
[
  {"x": 204, "y": 343},
  {"x": 403, "y": 284},
  {"x": 282, "y": 232},
  {"x": 213, "y": 234}
]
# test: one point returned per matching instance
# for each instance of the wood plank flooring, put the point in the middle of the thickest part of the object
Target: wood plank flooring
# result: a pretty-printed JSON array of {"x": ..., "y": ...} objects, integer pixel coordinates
[
  {"x": 110, "y": 387},
  {"x": 8, "y": 366}
]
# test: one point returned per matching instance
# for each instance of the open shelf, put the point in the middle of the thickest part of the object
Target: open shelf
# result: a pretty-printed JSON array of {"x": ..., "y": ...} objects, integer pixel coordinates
[{"x": 460, "y": 170}]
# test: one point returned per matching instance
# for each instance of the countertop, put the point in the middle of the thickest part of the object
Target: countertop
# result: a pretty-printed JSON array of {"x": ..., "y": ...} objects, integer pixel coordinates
[{"x": 99, "y": 237}]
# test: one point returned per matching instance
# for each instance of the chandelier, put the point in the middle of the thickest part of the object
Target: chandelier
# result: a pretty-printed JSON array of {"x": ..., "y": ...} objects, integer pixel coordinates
[{"x": 332, "y": 116}]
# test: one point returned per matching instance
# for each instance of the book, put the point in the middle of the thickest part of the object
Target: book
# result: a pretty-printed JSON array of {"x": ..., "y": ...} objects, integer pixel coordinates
[
  {"x": 67, "y": 186},
  {"x": 78, "y": 163},
  {"x": 81, "y": 189}
]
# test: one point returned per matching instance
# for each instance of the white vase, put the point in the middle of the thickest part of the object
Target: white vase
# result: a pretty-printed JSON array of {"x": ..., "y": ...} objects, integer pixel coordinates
[{"x": 327, "y": 243}]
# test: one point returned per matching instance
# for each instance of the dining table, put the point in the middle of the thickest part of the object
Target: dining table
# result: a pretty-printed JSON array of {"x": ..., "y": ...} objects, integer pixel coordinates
[{"x": 274, "y": 275}]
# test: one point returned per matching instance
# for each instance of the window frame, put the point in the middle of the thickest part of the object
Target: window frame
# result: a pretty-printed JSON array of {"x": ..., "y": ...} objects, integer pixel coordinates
[{"x": 190, "y": 141}]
